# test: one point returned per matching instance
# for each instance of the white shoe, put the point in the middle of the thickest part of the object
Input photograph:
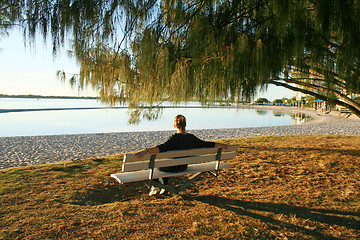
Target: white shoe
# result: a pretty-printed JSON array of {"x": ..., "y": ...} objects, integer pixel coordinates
[
  {"x": 162, "y": 191},
  {"x": 154, "y": 191}
]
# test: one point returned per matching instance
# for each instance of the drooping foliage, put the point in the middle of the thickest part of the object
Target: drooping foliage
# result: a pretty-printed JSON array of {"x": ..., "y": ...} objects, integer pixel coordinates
[
  {"x": 146, "y": 51},
  {"x": 10, "y": 12},
  {"x": 328, "y": 64}
]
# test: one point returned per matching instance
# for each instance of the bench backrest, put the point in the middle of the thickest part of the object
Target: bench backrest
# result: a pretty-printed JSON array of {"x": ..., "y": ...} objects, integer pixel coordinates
[{"x": 178, "y": 157}]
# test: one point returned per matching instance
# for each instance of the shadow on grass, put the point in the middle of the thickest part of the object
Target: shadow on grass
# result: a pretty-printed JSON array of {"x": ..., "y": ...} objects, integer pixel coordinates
[
  {"x": 109, "y": 192},
  {"x": 69, "y": 169},
  {"x": 246, "y": 208}
]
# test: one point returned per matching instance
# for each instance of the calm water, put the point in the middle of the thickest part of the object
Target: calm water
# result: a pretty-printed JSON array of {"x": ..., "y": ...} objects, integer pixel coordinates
[{"x": 33, "y": 123}]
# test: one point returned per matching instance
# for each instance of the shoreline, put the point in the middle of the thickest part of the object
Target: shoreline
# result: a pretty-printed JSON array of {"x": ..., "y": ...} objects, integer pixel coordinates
[{"x": 34, "y": 150}]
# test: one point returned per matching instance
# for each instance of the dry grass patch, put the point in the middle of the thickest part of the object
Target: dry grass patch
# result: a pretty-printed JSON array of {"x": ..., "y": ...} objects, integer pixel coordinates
[{"x": 288, "y": 187}]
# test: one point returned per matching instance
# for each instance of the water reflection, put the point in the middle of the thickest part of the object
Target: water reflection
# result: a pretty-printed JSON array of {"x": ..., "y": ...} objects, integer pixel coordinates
[
  {"x": 107, "y": 120},
  {"x": 148, "y": 114},
  {"x": 299, "y": 118},
  {"x": 262, "y": 112},
  {"x": 278, "y": 114}
]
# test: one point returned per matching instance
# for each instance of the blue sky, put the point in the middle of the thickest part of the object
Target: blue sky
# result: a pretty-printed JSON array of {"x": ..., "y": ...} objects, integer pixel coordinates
[{"x": 32, "y": 70}]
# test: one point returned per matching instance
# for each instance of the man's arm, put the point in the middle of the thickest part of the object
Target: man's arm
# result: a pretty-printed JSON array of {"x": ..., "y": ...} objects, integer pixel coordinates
[
  {"x": 225, "y": 146},
  {"x": 142, "y": 153}
]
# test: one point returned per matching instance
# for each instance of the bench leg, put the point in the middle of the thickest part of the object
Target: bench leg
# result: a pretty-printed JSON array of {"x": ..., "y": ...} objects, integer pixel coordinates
[
  {"x": 177, "y": 189},
  {"x": 214, "y": 173},
  {"x": 181, "y": 186},
  {"x": 190, "y": 180},
  {"x": 168, "y": 188}
]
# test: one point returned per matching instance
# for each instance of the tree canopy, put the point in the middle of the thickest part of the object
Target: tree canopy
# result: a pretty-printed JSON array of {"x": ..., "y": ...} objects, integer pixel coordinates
[{"x": 146, "y": 51}]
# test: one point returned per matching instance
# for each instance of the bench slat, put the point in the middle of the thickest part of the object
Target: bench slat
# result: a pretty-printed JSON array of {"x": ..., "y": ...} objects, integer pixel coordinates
[
  {"x": 144, "y": 175},
  {"x": 178, "y": 153},
  {"x": 135, "y": 166}
]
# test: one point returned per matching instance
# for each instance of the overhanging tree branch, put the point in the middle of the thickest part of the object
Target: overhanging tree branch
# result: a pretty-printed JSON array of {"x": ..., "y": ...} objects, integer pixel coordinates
[
  {"x": 340, "y": 95},
  {"x": 316, "y": 95}
]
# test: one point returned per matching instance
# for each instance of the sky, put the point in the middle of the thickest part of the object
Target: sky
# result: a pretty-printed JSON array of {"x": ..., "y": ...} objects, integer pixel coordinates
[{"x": 32, "y": 70}]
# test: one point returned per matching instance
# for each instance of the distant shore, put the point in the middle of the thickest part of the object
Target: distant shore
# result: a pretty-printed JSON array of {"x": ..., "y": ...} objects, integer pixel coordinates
[
  {"x": 41, "y": 96},
  {"x": 25, "y": 151}
]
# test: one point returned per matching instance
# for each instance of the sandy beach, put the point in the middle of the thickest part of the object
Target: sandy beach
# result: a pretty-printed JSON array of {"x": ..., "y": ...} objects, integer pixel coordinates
[{"x": 24, "y": 151}]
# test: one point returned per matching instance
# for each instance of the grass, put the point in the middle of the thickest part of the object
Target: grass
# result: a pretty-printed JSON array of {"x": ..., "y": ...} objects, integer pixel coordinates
[{"x": 286, "y": 187}]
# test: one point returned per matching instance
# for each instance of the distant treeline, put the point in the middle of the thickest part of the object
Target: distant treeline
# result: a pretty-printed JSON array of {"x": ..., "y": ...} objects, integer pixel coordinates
[{"x": 39, "y": 96}]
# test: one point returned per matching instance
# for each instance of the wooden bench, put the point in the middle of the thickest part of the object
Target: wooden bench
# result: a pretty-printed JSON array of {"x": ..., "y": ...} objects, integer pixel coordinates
[
  {"x": 343, "y": 111},
  {"x": 199, "y": 160}
]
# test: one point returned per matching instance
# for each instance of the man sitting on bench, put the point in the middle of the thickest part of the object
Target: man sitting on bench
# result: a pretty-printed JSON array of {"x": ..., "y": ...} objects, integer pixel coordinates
[{"x": 178, "y": 141}]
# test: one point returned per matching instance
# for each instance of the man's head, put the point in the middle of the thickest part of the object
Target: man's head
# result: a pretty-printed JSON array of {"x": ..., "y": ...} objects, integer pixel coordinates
[{"x": 180, "y": 122}]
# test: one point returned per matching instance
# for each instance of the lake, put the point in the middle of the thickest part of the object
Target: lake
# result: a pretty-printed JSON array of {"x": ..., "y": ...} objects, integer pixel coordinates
[{"x": 76, "y": 118}]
